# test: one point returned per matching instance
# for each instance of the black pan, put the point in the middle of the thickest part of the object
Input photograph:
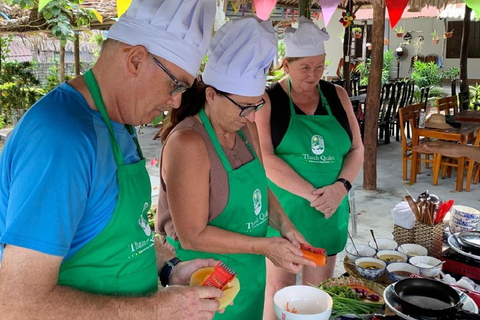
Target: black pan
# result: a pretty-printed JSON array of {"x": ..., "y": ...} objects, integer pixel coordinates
[{"x": 430, "y": 298}]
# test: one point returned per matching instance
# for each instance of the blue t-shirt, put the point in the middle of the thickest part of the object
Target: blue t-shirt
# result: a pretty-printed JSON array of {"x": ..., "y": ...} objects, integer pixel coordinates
[{"x": 58, "y": 184}]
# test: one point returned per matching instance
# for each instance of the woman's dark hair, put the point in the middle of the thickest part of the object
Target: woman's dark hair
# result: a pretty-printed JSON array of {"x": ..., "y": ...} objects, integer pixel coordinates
[{"x": 192, "y": 101}]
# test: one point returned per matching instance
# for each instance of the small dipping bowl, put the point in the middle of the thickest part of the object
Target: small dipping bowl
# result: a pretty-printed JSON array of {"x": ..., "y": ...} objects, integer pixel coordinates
[
  {"x": 370, "y": 268},
  {"x": 384, "y": 244},
  {"x": 401, "y": 270},
  {"x": 364, "y": 251},
  {"x": 427, "y": 265},
  {"x": 391, "y": 256}
]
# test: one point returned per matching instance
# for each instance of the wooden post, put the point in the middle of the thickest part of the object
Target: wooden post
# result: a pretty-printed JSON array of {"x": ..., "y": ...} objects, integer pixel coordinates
[
  {"x": 76, "y": 53},
  {"x": 62, "y": 63},
  {"x": 373, "y": 99},
  {"x": 464, "y": 49},
  {"x": 304, "y": 8},
  {"x": 347, "y": 42}
]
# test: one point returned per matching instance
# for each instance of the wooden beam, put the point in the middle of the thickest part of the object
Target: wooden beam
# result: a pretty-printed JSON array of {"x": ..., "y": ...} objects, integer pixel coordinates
[
  {"x": 62, "y": 63},
  {"x": 304, "y": 8},
  {"x": 464, "y": 49},
  {"x": 76, "y": 53},
  {"x": 373, "y": 100}
]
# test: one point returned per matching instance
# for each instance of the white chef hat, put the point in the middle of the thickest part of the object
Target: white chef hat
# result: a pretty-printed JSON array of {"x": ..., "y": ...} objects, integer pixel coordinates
[
  {"x": 178, "y": 31},
  {"x": 240, "y": 53},
  {"x": 305, "y": 41}
]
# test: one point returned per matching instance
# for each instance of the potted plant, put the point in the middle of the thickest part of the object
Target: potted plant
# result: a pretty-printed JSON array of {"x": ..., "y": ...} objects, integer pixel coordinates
[
  {"x": 448, "y": 34},
  {"x": 357, "y": 32},
  {"x": 400, "y": 31},
  {"x": 435, "y": 38}
]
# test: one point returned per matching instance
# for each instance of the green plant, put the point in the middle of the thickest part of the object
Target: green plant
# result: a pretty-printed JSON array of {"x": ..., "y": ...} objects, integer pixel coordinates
[
  {"x": 426, "y": 74},
  {"x": 364, "y": 68},
  {"x": 19, "y": 88},
  {"x": 399, "y": 30}
]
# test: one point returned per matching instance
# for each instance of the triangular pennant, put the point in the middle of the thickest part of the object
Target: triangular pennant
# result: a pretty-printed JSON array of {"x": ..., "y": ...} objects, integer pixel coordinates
[
  {"x": 395, "y": 10},
  {"x": 328, "y": 9},
  {"x": 475, "y": 5},
  {"x": 264, "y": 8},
  {"x": 122, "y": 6}
]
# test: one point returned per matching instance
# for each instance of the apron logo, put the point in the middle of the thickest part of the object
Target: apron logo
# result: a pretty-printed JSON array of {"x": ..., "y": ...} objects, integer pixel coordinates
[
  {"x": 318, "y": 145},
  {"x": 257, "y": 201},
  {"x": 145, "y": 226}
]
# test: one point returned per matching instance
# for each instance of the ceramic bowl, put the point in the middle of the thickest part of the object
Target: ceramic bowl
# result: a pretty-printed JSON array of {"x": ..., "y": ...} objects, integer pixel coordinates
[
  {"x": 401, "y": 270},
  {"x": 384, "y": 244},
  {"x": 412, "y": 250},
  {"x": 427, "y": 265},
  {"x": 362, "y": 265},
  {"x": 391, "y": 256},
  {"x": 466, "y": 212},
  {"x": 309, "y": 302},
  {"x": 455, "y": 228},
  {"x": 363, "y": 252}
]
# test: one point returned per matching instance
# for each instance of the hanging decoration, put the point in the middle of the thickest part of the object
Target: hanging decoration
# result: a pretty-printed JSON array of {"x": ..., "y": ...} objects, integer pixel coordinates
[
  {"x": 328, "y": 9},
  {"x": 122, "y": 6},
  {"x": 395, "y": 10},
  {"x": 234, "y": 6},
  {"x": 475, "y": 6},
  {"x": 347, "y": 19}
]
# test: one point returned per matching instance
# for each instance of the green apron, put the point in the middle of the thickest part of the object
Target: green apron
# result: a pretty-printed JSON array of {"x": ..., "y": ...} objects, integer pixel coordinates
[
  {"x": 314, "y": 146},
  {"x": 121, "y": 259},
  {"x": 246, "y": 213}
]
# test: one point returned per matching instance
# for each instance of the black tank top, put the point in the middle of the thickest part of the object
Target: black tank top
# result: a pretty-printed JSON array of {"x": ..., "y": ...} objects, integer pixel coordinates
[{"x": 280, "y": 114}]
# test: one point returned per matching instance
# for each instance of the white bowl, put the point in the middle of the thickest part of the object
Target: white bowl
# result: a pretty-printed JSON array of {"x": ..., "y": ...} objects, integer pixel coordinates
[
  {"x": 412, "y": 249},
  {"x": 466, "y": 212},
  {"x": 370, "y": 274},
  {"x": 310, "y": 303},
  {"x": 427, "y": 265},
  {"x": 384, "y": 244},
  {"x": 391, "y": 256},
  {"x": 395, "y": 267},
  {"x": 363, "y": 252}
]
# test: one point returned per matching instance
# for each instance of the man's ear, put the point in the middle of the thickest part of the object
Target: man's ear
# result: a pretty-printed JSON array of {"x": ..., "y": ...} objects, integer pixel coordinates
[{"x": 136, "y": 58}]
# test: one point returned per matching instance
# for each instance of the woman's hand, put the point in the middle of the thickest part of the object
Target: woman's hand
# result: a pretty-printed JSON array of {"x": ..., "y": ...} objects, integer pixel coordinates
[
  {"x": 284, "y": 254},
  {"x": 329, "y": 198}
]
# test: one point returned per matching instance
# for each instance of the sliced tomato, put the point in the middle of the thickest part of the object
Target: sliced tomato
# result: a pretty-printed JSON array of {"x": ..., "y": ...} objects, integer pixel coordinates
[{"x": 317, "y": 255}]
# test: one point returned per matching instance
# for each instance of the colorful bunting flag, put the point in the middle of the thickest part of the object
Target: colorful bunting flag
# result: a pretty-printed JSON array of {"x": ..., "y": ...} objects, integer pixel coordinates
[
  {"x": 475, "y": 5},
  {"x": 395, "y": 10},
  {"x": 122, "y": 6},
  {"x": 328, "y": 9},
  {"x": 264, "y": 8}
]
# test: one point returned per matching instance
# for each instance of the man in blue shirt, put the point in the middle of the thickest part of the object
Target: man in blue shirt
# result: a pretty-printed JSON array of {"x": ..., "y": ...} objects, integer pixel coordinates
[{"x": 74, "y": 192}]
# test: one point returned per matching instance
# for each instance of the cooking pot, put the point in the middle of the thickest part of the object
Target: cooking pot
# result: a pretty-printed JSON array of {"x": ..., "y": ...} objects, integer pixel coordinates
[{"x": 431, "y": 298}]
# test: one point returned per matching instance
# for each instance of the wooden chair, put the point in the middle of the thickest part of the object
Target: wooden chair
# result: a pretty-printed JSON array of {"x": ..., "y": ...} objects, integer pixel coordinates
[
  {"x": 410, "y": 114},
  {"x": 448, "y": 105}
]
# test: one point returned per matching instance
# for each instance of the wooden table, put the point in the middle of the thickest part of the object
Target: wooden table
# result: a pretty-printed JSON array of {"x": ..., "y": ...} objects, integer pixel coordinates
[
  {"x": 468, "y": 116},
  {"x": 466, "y": 132}
]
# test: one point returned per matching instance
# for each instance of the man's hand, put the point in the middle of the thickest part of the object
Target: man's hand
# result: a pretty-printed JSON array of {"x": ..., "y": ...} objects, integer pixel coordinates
[{"x": 183, "y": 271}]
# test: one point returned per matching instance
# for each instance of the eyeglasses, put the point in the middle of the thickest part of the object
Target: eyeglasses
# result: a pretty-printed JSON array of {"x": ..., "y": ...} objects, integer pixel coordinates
[
  {"x": 246, "y": 110},
  {"x": 180, "y": 88}
]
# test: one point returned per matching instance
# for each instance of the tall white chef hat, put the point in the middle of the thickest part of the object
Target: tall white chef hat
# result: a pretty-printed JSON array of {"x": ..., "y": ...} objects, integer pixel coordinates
[
  {"x": 240, "y": 54},
  {"x": 178, "y": 31},
  {"x": 305, "y": 41}
]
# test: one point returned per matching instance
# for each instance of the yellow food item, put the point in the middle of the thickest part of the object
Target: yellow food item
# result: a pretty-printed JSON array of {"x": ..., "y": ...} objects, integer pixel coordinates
[{"x": 230, "y": 291}]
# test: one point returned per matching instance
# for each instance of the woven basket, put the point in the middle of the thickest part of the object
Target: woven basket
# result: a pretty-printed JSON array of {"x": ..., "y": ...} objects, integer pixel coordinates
[
  {"x": 431, "y": 237},
  {"x": 402, "y": 235}
]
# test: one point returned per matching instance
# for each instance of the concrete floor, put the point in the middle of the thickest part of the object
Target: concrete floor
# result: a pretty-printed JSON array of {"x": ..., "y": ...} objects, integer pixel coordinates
[{"x": 374, "y": 207}]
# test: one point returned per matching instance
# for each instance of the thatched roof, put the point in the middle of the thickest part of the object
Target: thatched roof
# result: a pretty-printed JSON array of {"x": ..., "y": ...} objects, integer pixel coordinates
[{"x": 28, "y": 21}]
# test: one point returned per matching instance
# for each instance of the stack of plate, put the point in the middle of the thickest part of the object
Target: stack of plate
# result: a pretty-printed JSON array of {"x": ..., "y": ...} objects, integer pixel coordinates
[
  {"x": 463, "y": 219},
  {"x": 466, "y": 243}
]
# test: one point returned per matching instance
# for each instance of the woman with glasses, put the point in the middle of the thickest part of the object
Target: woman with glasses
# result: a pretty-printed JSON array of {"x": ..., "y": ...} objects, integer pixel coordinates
[
  {"x": 312, "y": 150},
  {"x": 214, "y": 200}
]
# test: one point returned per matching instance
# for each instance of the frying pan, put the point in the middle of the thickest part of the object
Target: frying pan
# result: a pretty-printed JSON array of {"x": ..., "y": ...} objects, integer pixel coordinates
[{"x": 430, "y": 298}]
